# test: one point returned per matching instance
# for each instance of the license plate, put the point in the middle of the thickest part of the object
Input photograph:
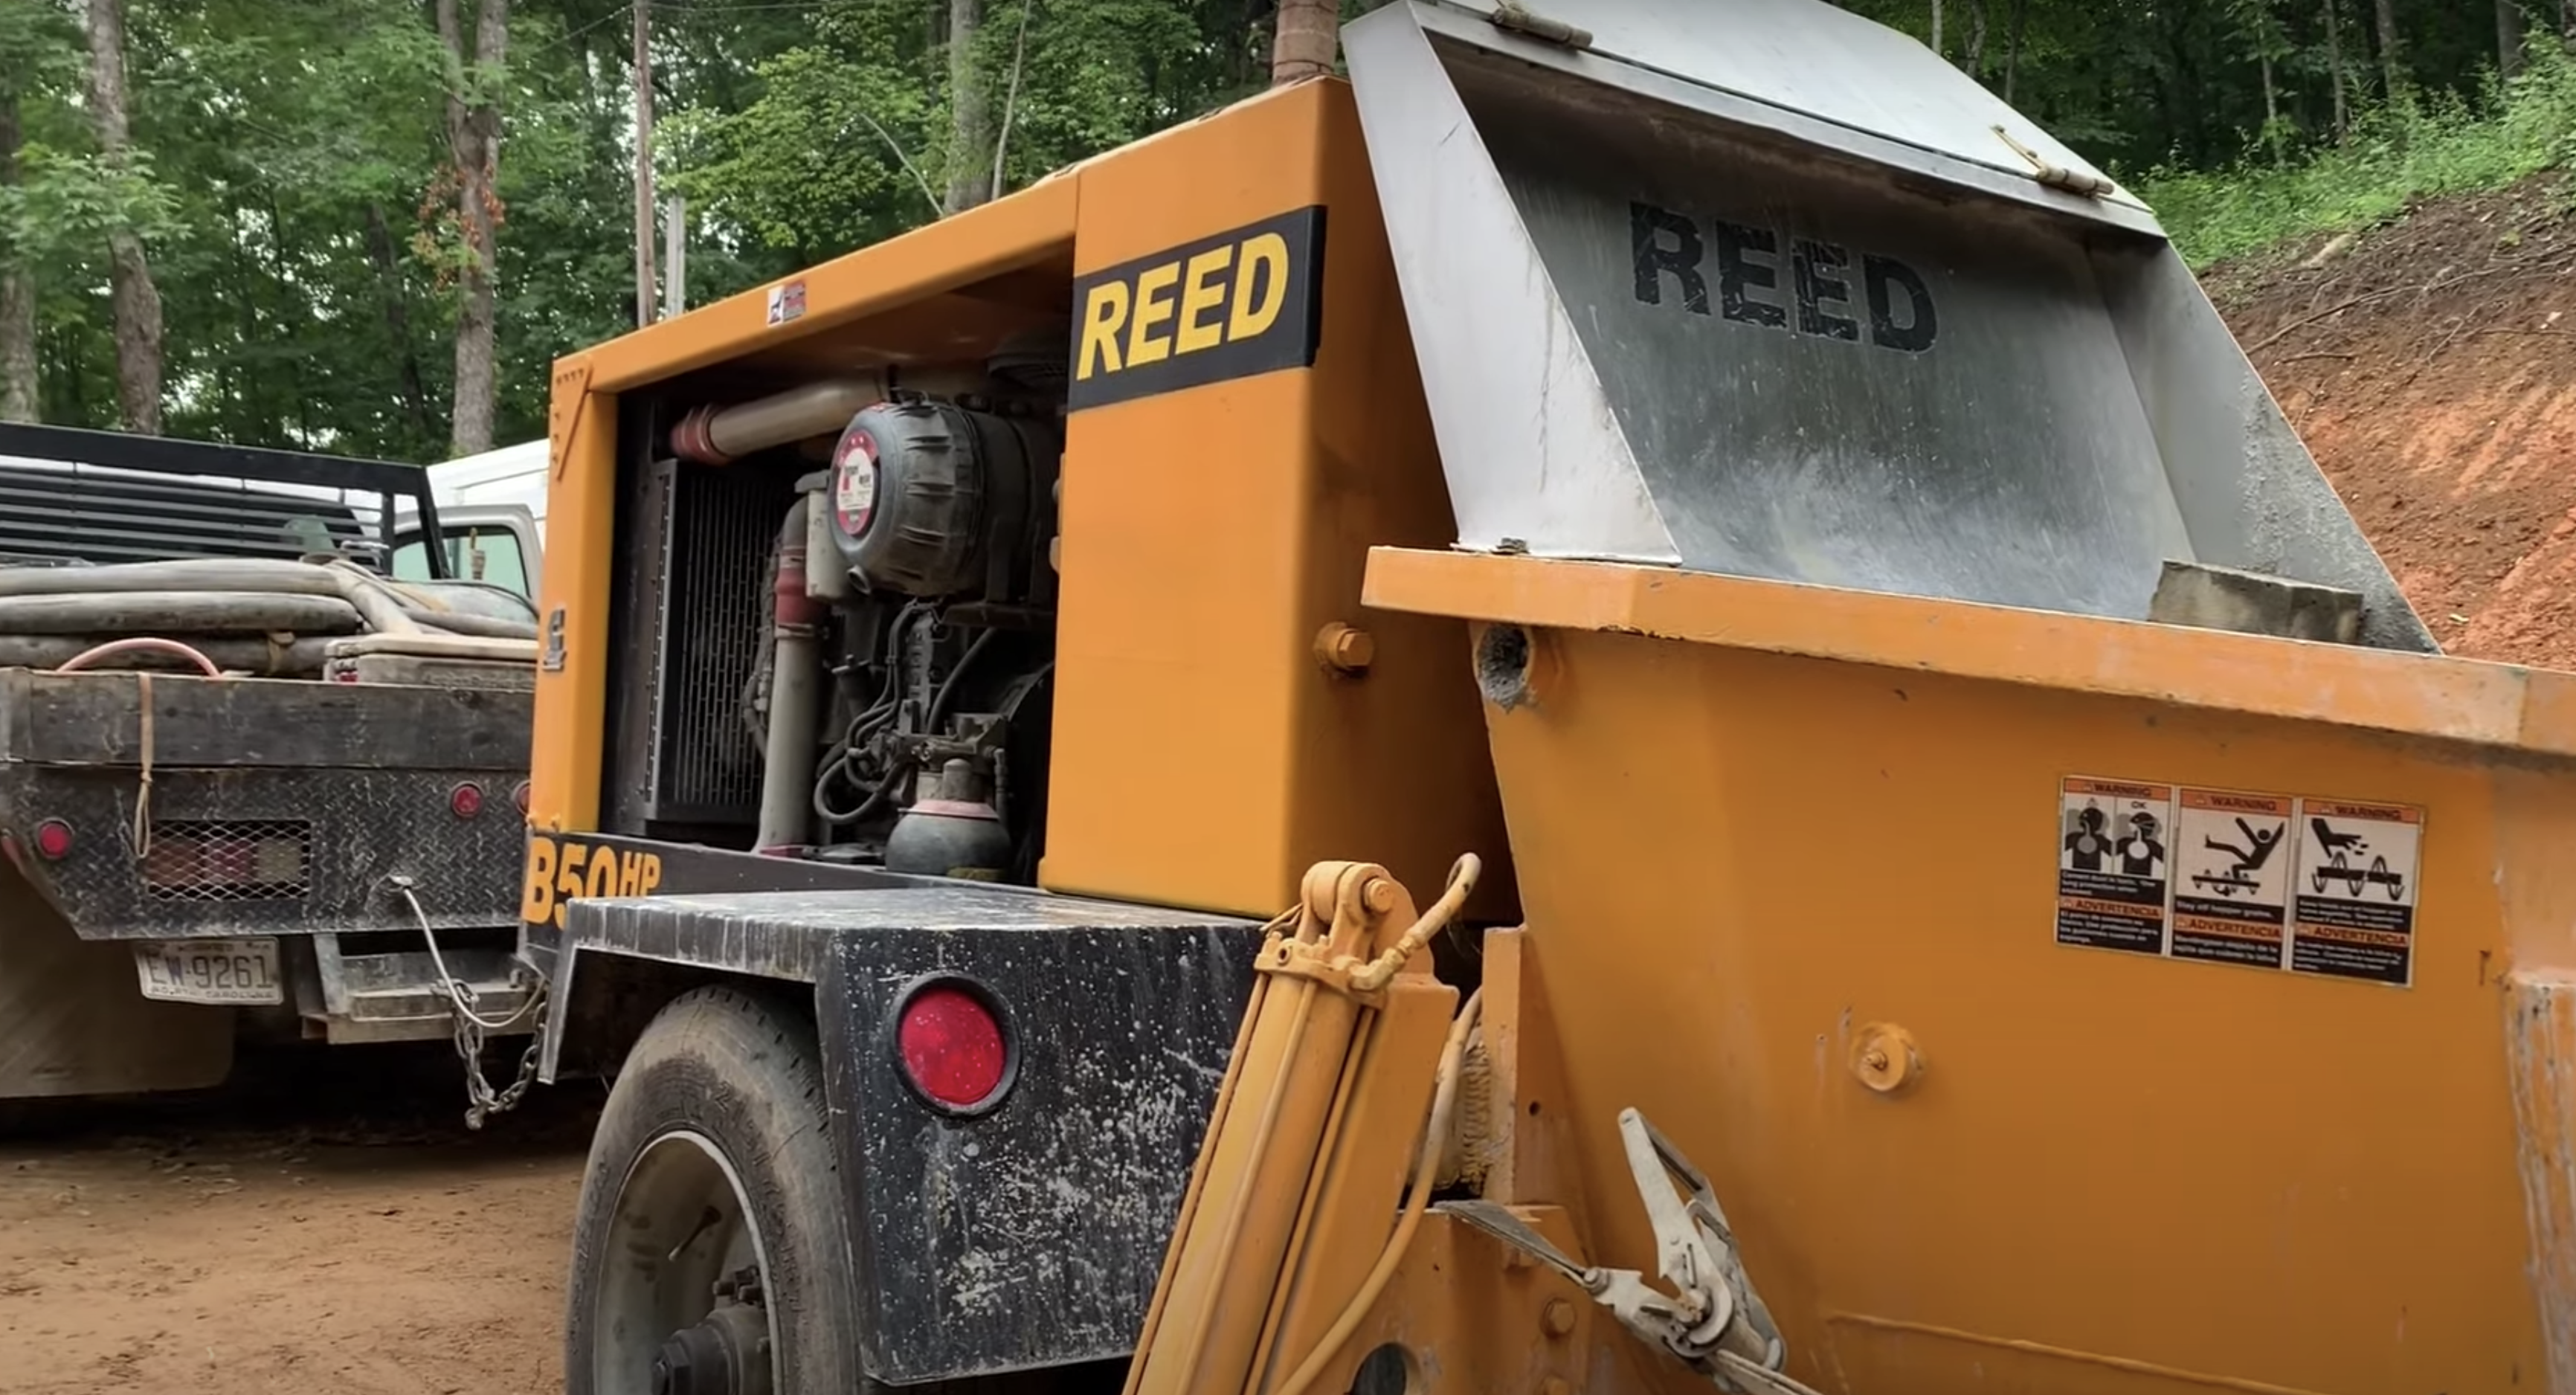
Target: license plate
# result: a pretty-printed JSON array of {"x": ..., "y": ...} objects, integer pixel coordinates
[{"x": 210, "y": 971}]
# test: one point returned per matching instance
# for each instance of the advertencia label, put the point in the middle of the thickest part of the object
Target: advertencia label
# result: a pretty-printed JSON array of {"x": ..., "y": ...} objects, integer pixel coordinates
[
  {"x": 2319, "y": 887},
  {"x": 2113, "y": 864},
  {"x": 2354, "y": 913},
  {"x": 2232, "y": 895}
]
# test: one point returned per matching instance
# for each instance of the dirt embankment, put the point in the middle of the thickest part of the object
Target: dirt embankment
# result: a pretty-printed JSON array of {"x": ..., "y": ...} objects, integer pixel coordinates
[{"x": 2431, "y": 367}]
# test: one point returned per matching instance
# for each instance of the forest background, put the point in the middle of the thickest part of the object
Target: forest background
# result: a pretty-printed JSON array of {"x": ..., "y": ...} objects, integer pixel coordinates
[{"x": 367, "y": 226}]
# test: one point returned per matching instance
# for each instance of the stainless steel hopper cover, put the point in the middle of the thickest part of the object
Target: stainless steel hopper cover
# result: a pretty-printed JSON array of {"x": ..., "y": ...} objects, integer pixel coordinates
[{"x": 1764, "y": 288}]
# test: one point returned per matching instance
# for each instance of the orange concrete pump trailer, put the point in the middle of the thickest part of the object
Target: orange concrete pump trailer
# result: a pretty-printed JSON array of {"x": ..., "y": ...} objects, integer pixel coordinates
[{"x": 1950, "y": 781}]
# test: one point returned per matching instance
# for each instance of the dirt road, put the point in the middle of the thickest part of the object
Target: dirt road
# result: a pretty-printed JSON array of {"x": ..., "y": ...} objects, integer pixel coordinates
[{"x": 337, "y": 1235}]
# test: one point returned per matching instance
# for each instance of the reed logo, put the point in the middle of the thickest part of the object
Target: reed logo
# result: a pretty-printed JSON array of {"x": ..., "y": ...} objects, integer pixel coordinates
[
  {"x": 1234, "y": 305},
  {"x": 1801, "y": 284}
]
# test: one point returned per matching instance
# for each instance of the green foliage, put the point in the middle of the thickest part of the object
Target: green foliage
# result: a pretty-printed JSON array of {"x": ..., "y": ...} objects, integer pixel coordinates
[
  {"x": 39, "y": 49},
  {"x": 847, "y": 141},
  {"x": 818, "y": 164},
  {"x": 68, "y": 201},
  {"x": 2397, "y": 155},
  {"x": 66, "y": 198},
  {"x": 290, "y": 165}
]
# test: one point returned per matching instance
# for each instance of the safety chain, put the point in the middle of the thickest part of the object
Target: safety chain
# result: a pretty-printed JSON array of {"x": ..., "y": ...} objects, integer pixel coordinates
[
  {"x": 481, "y": 1100},
  {"x": 472, "y": 1029}
]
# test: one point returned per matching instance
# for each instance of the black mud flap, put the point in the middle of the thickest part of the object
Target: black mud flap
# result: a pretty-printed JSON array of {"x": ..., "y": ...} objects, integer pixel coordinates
[
  {"x": 1030, "y": 1235},
  {"x": 1028, "y": 1232}
]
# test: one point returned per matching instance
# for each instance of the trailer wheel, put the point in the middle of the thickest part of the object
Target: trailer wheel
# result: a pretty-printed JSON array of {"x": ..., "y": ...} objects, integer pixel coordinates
[{"x": 709, "y": 1256}]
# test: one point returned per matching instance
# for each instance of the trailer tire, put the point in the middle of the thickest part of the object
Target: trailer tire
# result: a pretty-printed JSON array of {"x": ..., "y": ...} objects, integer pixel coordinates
[{"x": 721, "y": 1096}]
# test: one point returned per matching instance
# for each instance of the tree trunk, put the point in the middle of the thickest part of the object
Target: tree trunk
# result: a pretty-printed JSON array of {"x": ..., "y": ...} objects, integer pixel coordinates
[
  {"x": 2392, "y": 69},
  {"x": 247, "y": 407},
  {"x": 1976, "y": 64},
  {"x": 2509, "y": 38},
  {"x": 970, "y": 104},
  {"x": 135, "y": 301},
  {"x": 17, "y": 293},
  {"x": 1309, "y": 39},
  {"x": 281, "y": 255},
  {"x": 2012, "y": 45},
  {"x": 2567, "y": 23},
  {"x": 2334, "y": 71},
  {"x": 1936, "y": 26},
  {"x": 2271, "y": 109},
  {"x": 474, "y": 145},
  {"x": 397, "y": 306}
]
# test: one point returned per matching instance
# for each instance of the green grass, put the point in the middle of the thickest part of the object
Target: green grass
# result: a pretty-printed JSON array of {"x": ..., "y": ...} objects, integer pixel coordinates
[{"x": 2395, "y": 157}]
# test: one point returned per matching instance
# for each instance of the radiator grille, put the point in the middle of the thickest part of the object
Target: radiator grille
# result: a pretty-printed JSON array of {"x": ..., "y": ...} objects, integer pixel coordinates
[
  {"x": 722, "y": 527},
  {"x": 229, "y": 860}
]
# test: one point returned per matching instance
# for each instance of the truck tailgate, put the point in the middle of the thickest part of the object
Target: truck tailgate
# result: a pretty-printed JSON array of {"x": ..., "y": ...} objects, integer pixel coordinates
[{"x": 190, "y": 807}]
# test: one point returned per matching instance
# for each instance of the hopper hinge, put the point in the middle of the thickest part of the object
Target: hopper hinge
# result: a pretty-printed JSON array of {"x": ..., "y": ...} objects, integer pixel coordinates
[
  {"x": 1512, "y": 17},
  {"x": 2091, "y": 186}
]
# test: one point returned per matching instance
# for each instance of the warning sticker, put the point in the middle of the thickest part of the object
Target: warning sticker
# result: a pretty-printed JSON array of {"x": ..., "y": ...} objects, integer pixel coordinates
[
  {"x": 2112, "y": 864},
  {"x": 2354, "y": 912},
  {"x": 786, "y": 302},
  {"x": 2232, "y": 887}
]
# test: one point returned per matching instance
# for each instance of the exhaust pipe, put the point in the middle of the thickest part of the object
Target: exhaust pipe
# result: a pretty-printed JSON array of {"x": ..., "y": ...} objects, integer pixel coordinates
[
  {"x": 1307, "y": 41},
  {"x": 795, "y": 696},
  {"x": 713, "y": 435}
]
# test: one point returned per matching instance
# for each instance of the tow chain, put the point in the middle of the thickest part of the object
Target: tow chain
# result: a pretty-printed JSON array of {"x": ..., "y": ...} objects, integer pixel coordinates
[
  {"x": 473, "y": 1030},
  {"x": 481, "y": 1100}
]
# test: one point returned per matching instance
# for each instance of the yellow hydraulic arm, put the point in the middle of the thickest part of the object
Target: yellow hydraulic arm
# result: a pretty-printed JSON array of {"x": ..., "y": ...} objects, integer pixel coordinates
[{"x": 1283, "y": 1252}]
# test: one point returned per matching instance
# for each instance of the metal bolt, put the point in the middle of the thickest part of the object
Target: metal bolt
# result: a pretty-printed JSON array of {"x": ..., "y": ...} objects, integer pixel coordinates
[
  {"x": 1379, "y": 895},
  {"x": 1557, "y": 1317},
  {"x": 1345, "y": 649},
  {"x": 1354, "y": 648},
  {"x": 1885, "y": 1059}
]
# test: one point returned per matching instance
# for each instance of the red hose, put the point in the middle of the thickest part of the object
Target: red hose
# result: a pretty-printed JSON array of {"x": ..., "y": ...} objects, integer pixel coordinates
[{"x": 82, "y": 660}]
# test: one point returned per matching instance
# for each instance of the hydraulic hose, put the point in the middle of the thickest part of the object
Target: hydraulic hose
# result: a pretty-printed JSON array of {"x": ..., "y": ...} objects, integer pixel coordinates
[{"x": 1444, "y": 1105}]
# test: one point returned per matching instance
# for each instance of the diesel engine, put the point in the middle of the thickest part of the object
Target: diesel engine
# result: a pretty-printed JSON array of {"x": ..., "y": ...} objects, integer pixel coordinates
[{"x": 898, "y": 697}]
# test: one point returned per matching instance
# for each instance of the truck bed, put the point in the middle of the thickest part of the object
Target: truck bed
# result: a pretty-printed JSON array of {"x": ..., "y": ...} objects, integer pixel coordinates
[{"x": 273, "y": 806}]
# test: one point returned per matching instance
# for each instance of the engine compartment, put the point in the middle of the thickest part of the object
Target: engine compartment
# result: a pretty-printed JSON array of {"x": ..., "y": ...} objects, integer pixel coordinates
[{"x": 891, "y": 706}]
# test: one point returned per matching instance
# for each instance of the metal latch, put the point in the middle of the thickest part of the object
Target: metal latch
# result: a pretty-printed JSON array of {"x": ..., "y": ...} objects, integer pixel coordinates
[
  {"x": 1712, "y": 1321},
  {"x": 1513, "y": 17}
]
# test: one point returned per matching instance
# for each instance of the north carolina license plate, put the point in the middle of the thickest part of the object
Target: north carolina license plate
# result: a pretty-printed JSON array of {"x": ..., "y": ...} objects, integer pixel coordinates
[{"x": 210, "y": 971}]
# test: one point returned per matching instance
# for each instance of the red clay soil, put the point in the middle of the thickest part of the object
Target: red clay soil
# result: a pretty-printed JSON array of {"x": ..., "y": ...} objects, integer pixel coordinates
[{"x": 2431, "y": 367}]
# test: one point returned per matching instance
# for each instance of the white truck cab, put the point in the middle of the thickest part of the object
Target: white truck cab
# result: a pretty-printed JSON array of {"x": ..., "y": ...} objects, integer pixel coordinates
[{"x": 492, "y": 508}]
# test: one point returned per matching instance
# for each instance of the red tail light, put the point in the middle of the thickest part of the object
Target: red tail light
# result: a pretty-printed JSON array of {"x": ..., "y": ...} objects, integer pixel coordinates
[
  {"x": 53, "y": 840},
  {"x": 519, "y": 796},
  {"x": 953, "y": 1047},
  {"x": 466, "y": 800}
]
